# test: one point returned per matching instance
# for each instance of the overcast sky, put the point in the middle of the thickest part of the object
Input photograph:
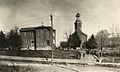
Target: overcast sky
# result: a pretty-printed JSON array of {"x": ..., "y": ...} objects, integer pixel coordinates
[{"x": 95, "y": 14}]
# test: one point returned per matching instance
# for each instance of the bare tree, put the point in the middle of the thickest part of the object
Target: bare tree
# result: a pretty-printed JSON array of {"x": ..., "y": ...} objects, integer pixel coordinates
[
  {"x": 102, "y": 38},
  {"x": 115, "y": 35},
  {"x": 115, "y": 31},
  {"x": 67, "y": 34}
]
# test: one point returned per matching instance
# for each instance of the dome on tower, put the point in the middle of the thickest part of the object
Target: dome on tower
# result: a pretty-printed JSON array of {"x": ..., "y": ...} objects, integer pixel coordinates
[
  {"x": 77, "y": 15},
  {"x": 78, "y": 21}
]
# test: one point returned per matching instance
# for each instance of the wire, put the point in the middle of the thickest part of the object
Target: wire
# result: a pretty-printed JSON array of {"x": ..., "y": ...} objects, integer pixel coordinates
[
  {"x": 32, "y": 20},
  {"x": 42, "y": 19}
]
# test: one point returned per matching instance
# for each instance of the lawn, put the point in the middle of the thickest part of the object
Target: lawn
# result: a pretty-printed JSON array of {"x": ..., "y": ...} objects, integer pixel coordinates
[{"x": 59, "y": 54}]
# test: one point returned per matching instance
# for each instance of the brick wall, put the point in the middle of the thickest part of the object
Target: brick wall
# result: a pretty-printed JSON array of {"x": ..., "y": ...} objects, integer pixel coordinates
[{"x": 27, "y": 38}]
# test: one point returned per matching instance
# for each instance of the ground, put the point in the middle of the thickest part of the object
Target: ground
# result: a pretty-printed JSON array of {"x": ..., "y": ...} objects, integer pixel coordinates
[
  {"x": 31, "y": 64},
  {"x": 16, "y": 66}
]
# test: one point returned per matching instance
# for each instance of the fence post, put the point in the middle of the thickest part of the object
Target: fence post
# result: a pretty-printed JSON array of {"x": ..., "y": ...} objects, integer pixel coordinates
[{"x": 113, "y": 59}]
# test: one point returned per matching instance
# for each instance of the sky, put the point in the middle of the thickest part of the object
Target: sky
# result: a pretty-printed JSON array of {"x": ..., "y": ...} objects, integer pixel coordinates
[{"x": 95, "y": 14}]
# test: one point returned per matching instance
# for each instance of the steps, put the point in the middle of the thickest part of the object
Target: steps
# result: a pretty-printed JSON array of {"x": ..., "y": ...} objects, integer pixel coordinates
[{"x": 88, "y": 58}]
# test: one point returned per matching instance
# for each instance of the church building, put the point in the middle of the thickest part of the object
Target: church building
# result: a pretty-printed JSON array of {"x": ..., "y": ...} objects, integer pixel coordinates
[{"x": 78, "y": 30}]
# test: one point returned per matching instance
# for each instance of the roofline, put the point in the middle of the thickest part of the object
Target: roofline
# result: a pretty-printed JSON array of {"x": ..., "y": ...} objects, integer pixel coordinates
[
  {"x": 34, "y": 28},
  {"x": 84, "y": 33}
]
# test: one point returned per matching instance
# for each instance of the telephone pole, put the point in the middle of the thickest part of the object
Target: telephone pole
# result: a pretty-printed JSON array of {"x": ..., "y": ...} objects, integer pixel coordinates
[
  {"x": 101, "y": 45},
  {"x": 52, "y": 37},
  {"x": 51, "y": 20}
]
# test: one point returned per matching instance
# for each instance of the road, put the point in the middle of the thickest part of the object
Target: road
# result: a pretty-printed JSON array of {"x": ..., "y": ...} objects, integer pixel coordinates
[{"x": 17, "y": 66}]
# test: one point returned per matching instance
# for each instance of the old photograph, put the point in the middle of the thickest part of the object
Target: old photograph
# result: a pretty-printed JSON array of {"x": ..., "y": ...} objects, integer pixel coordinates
[{"x": 59, "y": 35}]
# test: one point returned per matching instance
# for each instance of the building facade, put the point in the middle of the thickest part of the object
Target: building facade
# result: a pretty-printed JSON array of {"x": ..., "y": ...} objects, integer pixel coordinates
[{"x": 38, "y": 37}]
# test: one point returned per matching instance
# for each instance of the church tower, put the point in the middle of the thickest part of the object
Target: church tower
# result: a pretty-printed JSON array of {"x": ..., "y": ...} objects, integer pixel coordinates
[
  {"x": 78, "y": 37},
  {"x": 78, "y": 23}
]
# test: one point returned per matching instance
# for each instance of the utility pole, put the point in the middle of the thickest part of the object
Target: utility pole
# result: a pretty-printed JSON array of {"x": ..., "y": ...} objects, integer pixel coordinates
[
  {"x": 101, "y": 45},
  {"x": 51, "y": 20},
  {"x": 52, "y": 37}
]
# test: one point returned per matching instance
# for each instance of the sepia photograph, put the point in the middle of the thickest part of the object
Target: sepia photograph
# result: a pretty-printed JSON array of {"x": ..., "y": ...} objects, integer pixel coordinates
[{"x": 59, "y": 35}]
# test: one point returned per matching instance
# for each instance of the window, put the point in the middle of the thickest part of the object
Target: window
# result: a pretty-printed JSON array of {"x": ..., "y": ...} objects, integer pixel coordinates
[
  {"x": 25, "y": 41},
  {"x": 31, "y": 33},
  {"x": 32, "y": 41},
  {"x": 41, "y": 32},
  {"x": 38, "y": 32},
  {"x": 48, "y": 42},
  {"x": 24, "y": 33}
]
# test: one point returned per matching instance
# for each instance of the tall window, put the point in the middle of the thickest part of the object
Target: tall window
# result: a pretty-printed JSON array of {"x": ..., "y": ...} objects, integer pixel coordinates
[
  {"x": 25, "y": 41},
  {"x": 42, "y": 32},
  {"x": 38, "y": 32},
  {"x": 31, "y": 33},
  {"x": 25, "y": 34}
]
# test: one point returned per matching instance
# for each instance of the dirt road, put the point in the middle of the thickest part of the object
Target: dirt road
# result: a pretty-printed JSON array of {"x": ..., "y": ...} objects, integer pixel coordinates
[{"x": 13, "y": 66}]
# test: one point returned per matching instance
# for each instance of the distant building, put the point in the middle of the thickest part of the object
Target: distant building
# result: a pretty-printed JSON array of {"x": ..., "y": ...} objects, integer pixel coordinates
[
  {"x": 38, "y": 37},
  {"x": 78, "y": 30}
]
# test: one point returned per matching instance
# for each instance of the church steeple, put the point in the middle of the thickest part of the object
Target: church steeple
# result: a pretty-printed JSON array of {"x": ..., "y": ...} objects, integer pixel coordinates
[{"x": 78, "y": 23}]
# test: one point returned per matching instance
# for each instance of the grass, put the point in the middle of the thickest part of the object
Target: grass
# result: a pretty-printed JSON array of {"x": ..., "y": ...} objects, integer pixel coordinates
[
  {"x": 59, "y": 54},
  {"x": 111, "y": 59},
  {"x": 6, "y": 68}
]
